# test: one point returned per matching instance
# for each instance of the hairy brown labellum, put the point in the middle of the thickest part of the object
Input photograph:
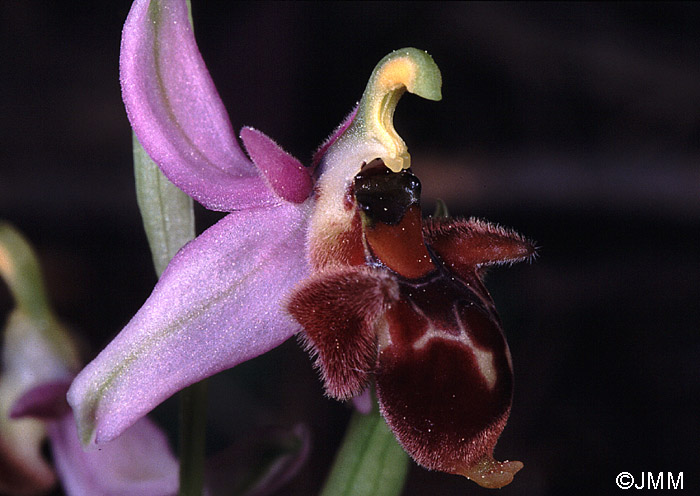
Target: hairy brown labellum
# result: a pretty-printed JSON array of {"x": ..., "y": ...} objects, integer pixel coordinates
[
  {"x": 419, "y": 318},
  {"x": 339, "y": 310},
  {"x": 444, "y": 377},
  {"x": 466, "y": 246}
]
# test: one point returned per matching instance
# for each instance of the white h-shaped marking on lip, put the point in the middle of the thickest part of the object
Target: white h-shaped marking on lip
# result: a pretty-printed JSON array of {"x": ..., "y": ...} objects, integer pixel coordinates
[{"x": 484, "y": 359}]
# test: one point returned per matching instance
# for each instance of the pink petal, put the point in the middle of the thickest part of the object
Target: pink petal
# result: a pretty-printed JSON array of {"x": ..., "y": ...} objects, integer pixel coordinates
[
  {"x": 176, "y": 112},
  {"x": 138, "y": 463},
  {"x": 23, "y": 468},
  {"x": 285, "y": 175},
  {"x": 216, "y": 305}
]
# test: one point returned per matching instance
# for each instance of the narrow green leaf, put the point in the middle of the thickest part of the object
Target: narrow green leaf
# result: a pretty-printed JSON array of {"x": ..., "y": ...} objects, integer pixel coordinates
[
  {"x": 167, "y": 212},
  {"x": 33, "y": 320},
  {"x": 168, "y": 218},
  {"x": 19, "y": 267},
  {"x": 370, "y": 461}
]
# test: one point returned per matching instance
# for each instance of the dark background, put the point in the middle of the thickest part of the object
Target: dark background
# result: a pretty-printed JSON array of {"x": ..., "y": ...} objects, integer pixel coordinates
[{"x": 576, "y": 124}]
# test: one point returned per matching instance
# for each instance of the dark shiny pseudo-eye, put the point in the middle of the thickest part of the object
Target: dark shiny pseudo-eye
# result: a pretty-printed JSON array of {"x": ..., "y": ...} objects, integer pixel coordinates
[
  {"x": 384, "y": 196},
  {"x": 417, "y": 318}
]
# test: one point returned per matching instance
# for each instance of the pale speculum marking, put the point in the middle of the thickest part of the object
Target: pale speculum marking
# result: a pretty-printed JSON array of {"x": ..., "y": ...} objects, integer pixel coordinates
[{"x": 484, "y": 359}]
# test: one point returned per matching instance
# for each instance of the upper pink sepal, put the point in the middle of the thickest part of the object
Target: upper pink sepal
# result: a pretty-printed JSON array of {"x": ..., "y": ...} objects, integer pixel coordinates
[
  {"x": 215, "y": 306},
  {"x": 285, "y": 175},
  {"x": 177, "y": 113}
]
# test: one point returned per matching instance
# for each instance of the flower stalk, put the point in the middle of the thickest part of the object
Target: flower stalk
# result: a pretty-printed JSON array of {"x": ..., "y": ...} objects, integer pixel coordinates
[
  {"x": 168, "y": 218},
  {"x": 193, "y": 423},
  {"x": 369, "y": 462}
]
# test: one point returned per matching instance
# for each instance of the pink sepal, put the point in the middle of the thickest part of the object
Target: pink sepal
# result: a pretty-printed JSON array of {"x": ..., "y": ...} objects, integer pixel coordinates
[
  {"x": 215, "y": 306},
  {"x": 177, "y": 113}
]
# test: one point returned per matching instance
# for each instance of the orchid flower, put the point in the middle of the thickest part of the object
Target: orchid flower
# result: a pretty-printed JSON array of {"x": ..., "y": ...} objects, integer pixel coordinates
[
  {"x": 39, "y": 361},
  {"x": 337, "y": 252}
]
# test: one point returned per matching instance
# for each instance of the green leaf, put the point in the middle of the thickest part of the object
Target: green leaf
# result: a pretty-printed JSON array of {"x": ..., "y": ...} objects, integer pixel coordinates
[
  {"x": 167, "y": 212},
  {"x": 370, "y": 461},
  {"x": 20, "y": 269},
  {"x": 32, "y": 330},
  {"x": 168, "y": 218}
]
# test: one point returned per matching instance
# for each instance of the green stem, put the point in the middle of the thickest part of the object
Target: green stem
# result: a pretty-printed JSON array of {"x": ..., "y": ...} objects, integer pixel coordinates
[
  {"x": 168, "y": 218},
  {"x": 193, "y": 422},
  {"x": 369, "y": 462}
]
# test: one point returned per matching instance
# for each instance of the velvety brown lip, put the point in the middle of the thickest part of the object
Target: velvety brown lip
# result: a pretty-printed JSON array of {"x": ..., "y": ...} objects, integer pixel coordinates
[{"x": 416, "y": 316}]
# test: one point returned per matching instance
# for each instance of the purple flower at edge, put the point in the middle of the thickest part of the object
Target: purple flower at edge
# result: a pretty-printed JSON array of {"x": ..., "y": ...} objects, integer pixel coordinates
[{"x": 38, "y": 362}]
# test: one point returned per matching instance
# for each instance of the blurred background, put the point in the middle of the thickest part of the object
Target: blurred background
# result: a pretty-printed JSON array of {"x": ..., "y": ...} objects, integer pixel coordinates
[{"x": 577, "y": 124}]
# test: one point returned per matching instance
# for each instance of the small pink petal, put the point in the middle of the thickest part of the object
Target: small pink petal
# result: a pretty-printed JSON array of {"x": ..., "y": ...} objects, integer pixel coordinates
[
  {"x": 285, "y": 175},
  {"x": 46, "y": 401},
  {"x": 215, "y": 306},
  {"x": 138, "y": 463},
  {"x": 176, "y": 112}
]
